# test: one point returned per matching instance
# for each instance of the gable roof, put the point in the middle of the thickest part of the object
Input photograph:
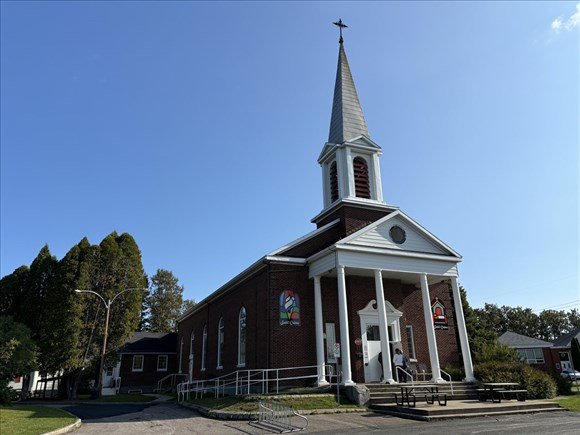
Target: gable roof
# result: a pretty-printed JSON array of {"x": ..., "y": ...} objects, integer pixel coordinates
[
  {"x": 566, "y": 339},
  {"x": 418, "y": 239},
  {"x": 518, "y": 341},
  {"x": 151, "y": 342}
]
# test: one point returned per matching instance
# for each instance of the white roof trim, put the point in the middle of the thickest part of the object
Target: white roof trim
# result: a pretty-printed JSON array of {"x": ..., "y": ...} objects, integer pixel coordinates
[
  {"x": 397, "y": 253},
  {"x": 410, "y": 221},
  {"x": 304, "y": 238}
]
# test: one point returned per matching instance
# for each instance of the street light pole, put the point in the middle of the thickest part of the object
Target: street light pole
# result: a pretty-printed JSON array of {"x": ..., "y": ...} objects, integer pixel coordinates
[{"x": 106, "y": 334}]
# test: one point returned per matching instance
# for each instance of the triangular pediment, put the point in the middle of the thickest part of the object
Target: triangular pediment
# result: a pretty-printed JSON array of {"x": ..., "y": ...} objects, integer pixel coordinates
[
  {"x": 386, "y": 234},
  {"x": 359, "y": 142},
  {"x": 363, "y": 142}
]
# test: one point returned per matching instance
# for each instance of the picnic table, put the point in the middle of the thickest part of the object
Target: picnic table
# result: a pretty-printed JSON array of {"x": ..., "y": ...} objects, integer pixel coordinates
[
  {"x": 430, "y": 391},
  {"x": 501, "y": 390}
]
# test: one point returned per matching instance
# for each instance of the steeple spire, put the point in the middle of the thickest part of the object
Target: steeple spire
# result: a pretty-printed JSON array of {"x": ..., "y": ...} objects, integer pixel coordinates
[{"x": 347, "y": 121}]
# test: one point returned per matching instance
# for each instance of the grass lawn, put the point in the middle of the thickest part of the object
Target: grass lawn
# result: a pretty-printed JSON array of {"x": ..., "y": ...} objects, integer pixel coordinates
[
  {"x": 32, "y": 420},
  {"x": 571, "y": 403},
  {"x": 250, "y": 403}
]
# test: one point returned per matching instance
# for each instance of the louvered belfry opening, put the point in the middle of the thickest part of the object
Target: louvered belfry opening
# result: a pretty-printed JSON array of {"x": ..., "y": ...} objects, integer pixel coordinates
[
  {"x": 333, "y": 182},
  {"x": 361, "y": 178}
]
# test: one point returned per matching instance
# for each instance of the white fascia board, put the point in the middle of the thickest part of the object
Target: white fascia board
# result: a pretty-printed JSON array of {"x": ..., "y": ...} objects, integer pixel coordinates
[
  {"x": 370, "y": 204},
  {"x": 398, "y": 253},
  {"x": 370, "y": 146},
  {"x": 327, "y": 150},
  {"x": 328, "y": 250},
  {"x": 304, "y": 238},
  {"x": 278, "y": 259}
]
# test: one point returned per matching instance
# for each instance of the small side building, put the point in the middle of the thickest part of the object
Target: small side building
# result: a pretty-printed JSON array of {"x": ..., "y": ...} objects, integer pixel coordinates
[{"x": 146, "y": 358}]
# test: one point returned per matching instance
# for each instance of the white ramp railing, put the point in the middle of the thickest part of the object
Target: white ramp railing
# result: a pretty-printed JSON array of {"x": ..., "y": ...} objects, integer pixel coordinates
[{"x": 246, "y": 381}]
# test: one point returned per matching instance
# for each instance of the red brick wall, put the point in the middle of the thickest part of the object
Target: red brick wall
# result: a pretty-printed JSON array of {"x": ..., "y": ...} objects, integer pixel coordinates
[
  {"x": 149, "y": 376},
  {"x": 353, "y": 218},
  {"x": 252, "y": 295},
  {"x": 271, "y": 345}
]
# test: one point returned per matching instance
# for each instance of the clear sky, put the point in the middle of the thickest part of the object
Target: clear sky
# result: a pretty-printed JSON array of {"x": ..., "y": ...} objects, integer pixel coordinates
[{"x": 195, "y": 127}]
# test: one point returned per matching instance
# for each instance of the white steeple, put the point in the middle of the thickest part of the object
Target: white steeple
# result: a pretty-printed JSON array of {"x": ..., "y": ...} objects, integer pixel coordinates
[{"x": 350, "y": 159}]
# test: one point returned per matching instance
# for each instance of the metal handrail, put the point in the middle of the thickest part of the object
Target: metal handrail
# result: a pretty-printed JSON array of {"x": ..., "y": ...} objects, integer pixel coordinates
[
  {"x": 450, "y": 379},
  {"x": 172, "y": 376},
  {"x": 399, "y": 368},
  {"x": 241, "y": 381}
]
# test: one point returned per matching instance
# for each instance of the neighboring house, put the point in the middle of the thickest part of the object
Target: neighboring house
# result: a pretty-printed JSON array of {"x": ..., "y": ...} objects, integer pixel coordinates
[
  {"x": 532, "y": 351},
  {"x": 367, "y": 280},
  {"x": 561, "y": 351},
  {"x": 146, "y": 358}
]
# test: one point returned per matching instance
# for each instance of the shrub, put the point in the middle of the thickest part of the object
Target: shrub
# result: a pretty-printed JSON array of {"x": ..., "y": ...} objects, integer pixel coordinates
[
  {"x": 564, "y": 385},
  {"x": 457, "y": 373},
  {"x": 540, "y": 385}
]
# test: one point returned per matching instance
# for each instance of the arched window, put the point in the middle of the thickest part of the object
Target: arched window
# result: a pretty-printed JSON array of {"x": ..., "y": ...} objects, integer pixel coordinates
[
  {"x": 220, "y": 355},
  {"x": 361, "y": 178},
  {"x": 242, "y": 338},
  {"x": 204, "y": 347},
  {"x": 191, "y": 342},
  {"x": 333, "y": 182}
]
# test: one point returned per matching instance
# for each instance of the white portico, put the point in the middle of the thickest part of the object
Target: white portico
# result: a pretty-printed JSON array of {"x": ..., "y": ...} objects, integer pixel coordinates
[{"x": 393, "y": 247}]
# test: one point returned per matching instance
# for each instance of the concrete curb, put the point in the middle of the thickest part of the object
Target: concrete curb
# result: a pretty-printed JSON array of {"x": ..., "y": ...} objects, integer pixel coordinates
[
  {"x": 221, "y": 415},
  {"x": 70, "y": 428}
]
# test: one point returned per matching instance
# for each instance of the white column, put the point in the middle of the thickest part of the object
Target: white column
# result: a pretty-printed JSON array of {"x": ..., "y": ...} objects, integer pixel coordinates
[
  {"x": 343, "y": 319},
  {"x": 463, "y": 339},
  {"x": 319, "y": 332},
  {"x": 431, "y": 341},
  {"x": 384, "y": 331}
]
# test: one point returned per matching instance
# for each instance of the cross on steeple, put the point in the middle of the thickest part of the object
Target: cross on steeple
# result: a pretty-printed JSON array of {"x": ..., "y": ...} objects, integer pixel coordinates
[{"x": 340, "y": 25}]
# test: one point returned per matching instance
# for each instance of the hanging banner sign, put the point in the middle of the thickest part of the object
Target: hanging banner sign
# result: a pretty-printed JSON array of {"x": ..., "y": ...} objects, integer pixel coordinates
[{"x": 439, "y": 314}]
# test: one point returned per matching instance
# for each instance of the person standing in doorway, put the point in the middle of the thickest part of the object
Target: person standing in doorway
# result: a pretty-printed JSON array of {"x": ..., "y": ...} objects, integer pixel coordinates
[{"x": 399, "y": 360}]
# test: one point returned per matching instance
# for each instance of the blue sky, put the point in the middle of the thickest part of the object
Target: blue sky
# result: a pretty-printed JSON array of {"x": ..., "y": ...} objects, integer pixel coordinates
[{"x": 195, "y": 127}]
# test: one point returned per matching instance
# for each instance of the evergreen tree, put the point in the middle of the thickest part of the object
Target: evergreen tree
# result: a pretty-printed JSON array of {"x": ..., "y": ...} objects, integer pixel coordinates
[
  {"x": 12, "y": 289},
  {"x": 164, "y": 302}
]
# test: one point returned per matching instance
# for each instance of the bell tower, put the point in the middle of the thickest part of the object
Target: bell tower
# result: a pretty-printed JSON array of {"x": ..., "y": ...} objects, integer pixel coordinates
[{"x": 350, "y": 159}]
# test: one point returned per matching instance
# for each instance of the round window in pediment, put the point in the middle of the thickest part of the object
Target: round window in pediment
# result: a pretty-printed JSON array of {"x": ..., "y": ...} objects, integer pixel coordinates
[{"x": 397, "y": 234}]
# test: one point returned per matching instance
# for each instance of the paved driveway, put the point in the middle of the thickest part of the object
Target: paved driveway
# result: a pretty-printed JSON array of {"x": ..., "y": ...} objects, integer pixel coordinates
[{"x": 169, "y": 418}]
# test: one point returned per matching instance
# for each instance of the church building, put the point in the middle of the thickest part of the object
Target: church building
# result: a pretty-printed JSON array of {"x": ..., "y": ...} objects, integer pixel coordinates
[{"x": 367, "y": 281}]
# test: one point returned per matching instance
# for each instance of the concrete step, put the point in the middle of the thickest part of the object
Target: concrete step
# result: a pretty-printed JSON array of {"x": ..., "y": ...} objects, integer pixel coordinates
[
  {"x": 465, "y": 409},
  {"x": 385, "y": 393}
]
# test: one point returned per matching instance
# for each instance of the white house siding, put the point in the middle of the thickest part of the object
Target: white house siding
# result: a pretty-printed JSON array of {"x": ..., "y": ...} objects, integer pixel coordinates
[{"x": 379, "y": 237}]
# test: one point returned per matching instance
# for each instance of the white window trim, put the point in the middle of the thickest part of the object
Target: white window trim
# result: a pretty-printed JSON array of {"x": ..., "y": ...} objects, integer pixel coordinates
[
  {"x": 221, "y": 324},
  {"x": 142, "y": 363},
  {"x": 166, "y": 357},
  {"x": 204, "y": 348},
  {"x": 330, "y": 341},
  {"x": 240, "y": 362},
  {"x": 411, "y": 343}
]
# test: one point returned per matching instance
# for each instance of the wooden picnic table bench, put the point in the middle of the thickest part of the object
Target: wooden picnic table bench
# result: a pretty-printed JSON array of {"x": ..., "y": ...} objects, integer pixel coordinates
[
  {"x": 501, "y": 390},
  {"x": 430, "y": 391}
]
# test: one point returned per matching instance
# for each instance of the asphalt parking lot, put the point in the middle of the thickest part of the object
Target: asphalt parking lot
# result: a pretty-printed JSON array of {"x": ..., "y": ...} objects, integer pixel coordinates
[{"x": 170, "y": 418}]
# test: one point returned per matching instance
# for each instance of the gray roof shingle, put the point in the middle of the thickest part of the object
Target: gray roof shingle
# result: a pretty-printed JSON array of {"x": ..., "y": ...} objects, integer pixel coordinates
[{"x": 511, "y": 339}]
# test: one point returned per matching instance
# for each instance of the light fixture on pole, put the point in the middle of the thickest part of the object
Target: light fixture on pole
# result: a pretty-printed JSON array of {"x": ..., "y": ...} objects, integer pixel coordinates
[{"x": 106, "y": 334}]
